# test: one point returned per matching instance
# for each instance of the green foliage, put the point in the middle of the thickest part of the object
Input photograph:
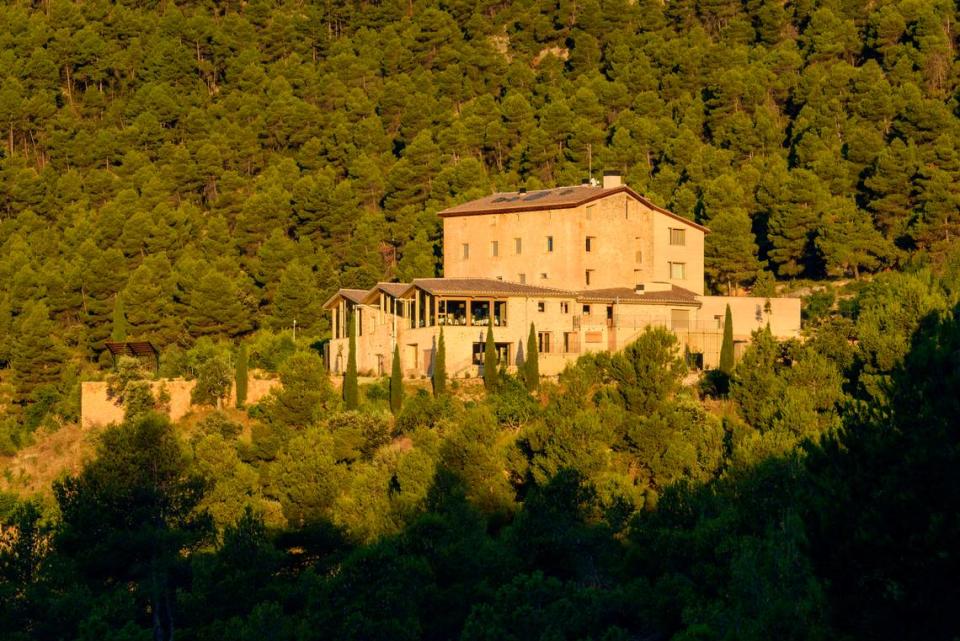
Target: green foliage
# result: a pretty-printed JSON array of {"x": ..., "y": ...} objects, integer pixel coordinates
[
  {"x": 531, "y": 363},
  {"x": 118, "y": 330},
  {"x": 351, "y": 392},
  {"x": 241, "y": 377},
  {"x": 129, "y": 386},
  {"x": 216, "y": 174},
  {"x": 215, "y": 375},
  {"x": 439, "y": 375},
  {"x": 490, "y": 362},
  {"x": 396, "y": 383},
  {"x": 726, "y": 348},
  {"x": 304, "y": 394},
  {"x": 648, "y": 371}
]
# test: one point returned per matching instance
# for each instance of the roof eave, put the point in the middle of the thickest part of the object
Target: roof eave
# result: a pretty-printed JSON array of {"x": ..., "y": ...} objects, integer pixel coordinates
[{"x": 451, "y": 212}]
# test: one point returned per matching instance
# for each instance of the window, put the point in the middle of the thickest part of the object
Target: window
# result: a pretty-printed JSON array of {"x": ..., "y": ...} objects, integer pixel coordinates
[
  {"x": 499, "y": 277},
  {"x": 541, "y": 306},
  {"x": 586, "y": 310},
  {"x": 590, "y": 212},
  {"x": 518, "y": 246},
  {"x": 522, "y": 278},
  {"x": 719, "y": 320},
  {"x": 494, "y": 248},
  {"x": 678, "y": 271},
  {"x": 588, "y": 276},
  {"x": 636, "y": 276},
  {"x": 571, "y": 342},
  {"x": 549, "y": 243},
  {"x": 543, "y": 342},
  {"x": 589, "y": 243},
  {"x": 678, "y": 237},
  {"x": 543, "y": 275},
  {"x": 564, "y": 308},
  {"x": 639, "y": 254},
  {"x": 466, "y": 251},
  {"x": 503, "y": 352}
]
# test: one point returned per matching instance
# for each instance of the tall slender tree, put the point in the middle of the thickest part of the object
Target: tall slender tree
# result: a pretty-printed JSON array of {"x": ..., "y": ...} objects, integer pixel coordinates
[
  {"x": 351, "y": 391},
  {"x": 726, "y": 348},
  {"x": 440, "y": 367},
  {"x": 531, "y": 365},
  {"x": 119, "y": 330},
  {"x": 490, "y": 374},
  {"x": 396, "y": 383},
  {"x": 241, "y": 377}
]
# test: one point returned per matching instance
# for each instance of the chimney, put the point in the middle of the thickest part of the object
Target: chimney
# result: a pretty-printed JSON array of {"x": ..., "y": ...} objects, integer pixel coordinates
[{"x": 611, "y": 179}]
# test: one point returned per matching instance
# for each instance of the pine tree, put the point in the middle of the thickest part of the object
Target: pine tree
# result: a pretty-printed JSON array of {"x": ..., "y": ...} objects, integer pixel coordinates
[
  {"x": 119, "y": 331},
  {"x": 241, "y": 377},
  {"x": 490, "y": 378},
  {"x": 351, "y": 392},
  {"x": 726, "y": 349},
  {"x": 440, "y": 367},
  {"x": 531, "y": 366},
  {"x": 396, "y": 383}
]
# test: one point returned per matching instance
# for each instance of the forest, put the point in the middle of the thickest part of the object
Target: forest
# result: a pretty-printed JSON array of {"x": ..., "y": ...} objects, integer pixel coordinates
[{"x": 200, "y": 174}]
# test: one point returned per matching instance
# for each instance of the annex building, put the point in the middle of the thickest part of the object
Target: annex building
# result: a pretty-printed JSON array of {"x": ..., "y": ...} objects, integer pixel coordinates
[{"x": 590, "y": 266}]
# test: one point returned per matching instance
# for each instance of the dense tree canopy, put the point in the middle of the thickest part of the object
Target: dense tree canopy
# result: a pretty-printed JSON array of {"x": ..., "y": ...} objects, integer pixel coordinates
[{"x": 214, "y": 171}]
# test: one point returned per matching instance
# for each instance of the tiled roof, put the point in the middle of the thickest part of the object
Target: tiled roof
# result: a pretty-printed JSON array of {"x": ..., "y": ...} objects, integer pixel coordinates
[
  {"x": 485, "y": 287},
  {"x": 675, "y": 295},
  {"x": 394, "y": 289},
  {"x": 557, "y": 198},
  {"x": 352, "y": 295}
]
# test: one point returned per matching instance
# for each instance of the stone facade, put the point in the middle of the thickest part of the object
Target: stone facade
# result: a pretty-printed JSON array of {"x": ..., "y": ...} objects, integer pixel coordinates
[{"x": 590, "y": 267}]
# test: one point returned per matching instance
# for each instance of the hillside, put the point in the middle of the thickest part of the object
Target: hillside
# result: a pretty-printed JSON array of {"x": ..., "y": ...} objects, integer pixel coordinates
[{"x": 170, "y": 172}]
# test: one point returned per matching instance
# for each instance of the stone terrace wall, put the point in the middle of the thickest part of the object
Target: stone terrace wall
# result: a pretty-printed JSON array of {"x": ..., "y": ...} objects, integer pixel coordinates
[{"x": 97, "y": 409}]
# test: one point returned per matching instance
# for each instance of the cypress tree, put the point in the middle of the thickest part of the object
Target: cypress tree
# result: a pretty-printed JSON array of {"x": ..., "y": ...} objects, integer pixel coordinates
[
  {"x": 396, "y": 383},
  {"x": 241, "y": 377},
  {"x": 440, "y": 367},
  {"x": 118, "y": 332},
  {"x": 351, "y": 392},
  {"x": 490, "y": 378},
  {"x": 726, "y": 349},
  {"x": 531, "y": 366}
]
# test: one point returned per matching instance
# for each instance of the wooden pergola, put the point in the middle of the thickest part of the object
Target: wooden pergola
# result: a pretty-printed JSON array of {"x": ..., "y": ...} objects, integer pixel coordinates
[{"x": 141, "y": 350}]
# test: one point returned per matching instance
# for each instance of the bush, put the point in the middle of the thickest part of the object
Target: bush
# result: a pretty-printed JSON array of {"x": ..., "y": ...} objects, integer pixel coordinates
[
  {"x": 512, "y": 404},
  {"x": 423, "y": 410},
  {"x": 358, "y": 435},
  {"x": 220, "y": 424},
  {"x": 818, "y": 305}
]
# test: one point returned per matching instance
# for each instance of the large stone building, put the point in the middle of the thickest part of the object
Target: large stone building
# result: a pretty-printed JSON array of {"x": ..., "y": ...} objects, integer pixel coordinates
[{"x": 589, "y": 266}]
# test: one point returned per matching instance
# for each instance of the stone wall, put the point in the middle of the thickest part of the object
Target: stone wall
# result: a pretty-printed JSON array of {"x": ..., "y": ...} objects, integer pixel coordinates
[{"x": 97, "y": 409}]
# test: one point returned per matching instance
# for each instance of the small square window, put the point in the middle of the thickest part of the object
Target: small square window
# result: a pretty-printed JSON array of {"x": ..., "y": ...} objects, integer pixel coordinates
[
  {"x": 522, "y": 278},
  {"x": 678, "y": 237},
  {"x": 589, "y": 243},
  {"x": 586, "y": 310},
  {"x": 588, "y": 276},
  {"x": 564, "y": 308},
  {"x": 543, "y": 275},
  {"x": 466, "y": 251},
  {"x": 678, "y": 271},
  {"x": 549, "y": 243},
  {"x": 541, "y": 306}
]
